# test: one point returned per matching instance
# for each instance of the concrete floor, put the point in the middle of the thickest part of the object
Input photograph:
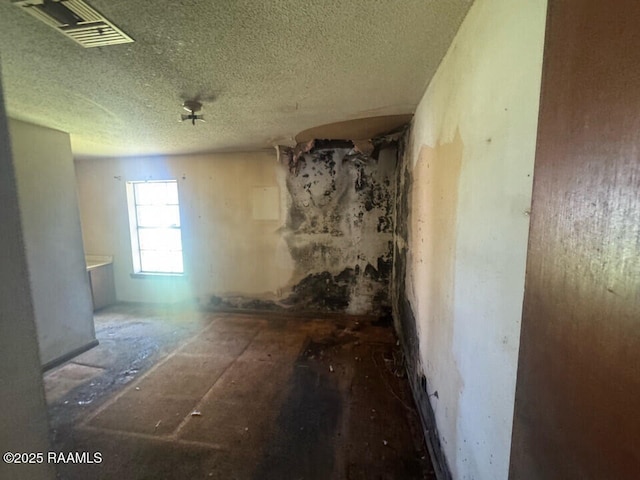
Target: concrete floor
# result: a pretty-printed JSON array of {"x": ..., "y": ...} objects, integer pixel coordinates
[{"x": 183, "y": 394}]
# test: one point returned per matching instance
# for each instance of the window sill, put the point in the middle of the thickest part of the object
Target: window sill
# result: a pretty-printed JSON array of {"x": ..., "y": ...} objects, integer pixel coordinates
[{"x": 156, "y": 275}]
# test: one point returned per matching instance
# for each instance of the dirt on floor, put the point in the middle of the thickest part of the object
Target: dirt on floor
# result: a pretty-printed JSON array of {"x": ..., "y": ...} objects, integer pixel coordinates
[{"x": 184, "y": 394}]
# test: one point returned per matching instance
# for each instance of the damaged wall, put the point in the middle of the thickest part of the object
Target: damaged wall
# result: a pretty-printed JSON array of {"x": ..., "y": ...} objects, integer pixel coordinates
[
  {"x": 339, "y": 228},
  {"x": 464, "y": 190},
  {"x": 258, "y": 233}
]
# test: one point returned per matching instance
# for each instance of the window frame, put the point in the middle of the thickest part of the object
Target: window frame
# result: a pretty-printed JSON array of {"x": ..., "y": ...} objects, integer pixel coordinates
[{"x": 134, "y": 227}]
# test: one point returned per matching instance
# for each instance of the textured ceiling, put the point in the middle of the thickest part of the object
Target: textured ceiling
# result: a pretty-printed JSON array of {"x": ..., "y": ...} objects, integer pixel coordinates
[{"x": 264, "y": 70}]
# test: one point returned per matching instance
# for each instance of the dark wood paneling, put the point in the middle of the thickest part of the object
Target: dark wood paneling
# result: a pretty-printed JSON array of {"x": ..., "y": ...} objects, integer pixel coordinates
[{"x": 577, "y": 413}]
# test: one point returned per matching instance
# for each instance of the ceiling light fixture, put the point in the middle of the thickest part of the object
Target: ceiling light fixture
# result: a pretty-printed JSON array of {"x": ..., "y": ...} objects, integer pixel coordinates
[{"x": 192, "y": 106}]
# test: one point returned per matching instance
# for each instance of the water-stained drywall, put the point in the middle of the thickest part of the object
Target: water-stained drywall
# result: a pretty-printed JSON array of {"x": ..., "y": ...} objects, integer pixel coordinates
[
  {"x": 339, "y": 227},
  {"x": 338, "y": 230},
  {"x": 463, "y": 199}
]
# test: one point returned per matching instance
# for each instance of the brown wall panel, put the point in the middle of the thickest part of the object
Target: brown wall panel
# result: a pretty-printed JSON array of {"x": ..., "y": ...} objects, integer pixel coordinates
[{"x": 577, "y": 413}]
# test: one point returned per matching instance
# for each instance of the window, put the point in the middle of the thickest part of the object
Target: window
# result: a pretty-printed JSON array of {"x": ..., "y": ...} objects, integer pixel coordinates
[{"x": 154, "y": 216}]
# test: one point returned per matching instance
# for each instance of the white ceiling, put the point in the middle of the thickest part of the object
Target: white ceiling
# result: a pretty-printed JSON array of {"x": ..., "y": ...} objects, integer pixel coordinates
[{"x": 265, "y": 70}]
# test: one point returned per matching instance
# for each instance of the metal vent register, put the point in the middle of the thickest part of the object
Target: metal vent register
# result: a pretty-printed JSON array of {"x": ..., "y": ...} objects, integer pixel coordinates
[{"x": 76, "y": 20}]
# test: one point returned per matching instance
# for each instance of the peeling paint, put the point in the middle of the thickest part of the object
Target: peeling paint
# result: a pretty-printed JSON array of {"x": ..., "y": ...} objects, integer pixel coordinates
[
  {"x": 338, "y": 228},
  {"x": 403, "y": 314},
  {"x": 340, "y": 221}
]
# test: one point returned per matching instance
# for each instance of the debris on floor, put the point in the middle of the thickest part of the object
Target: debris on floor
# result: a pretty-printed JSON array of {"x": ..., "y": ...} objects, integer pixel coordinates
[{"x": 274, "y": 410}]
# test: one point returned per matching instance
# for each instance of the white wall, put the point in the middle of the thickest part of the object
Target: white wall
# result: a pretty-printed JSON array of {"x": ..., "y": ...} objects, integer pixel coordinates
[
  {"x": 226, "y": 250},
  {"x": 51, "y": 224},
  {"x": 257, "y": 232},
  {"x": 24, "y": 426},
  {"x": 472, "y": 147}
]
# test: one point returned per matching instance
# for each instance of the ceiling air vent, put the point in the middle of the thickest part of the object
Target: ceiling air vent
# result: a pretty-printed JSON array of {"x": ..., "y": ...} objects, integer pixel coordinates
[{"x": 76, "y": 20}]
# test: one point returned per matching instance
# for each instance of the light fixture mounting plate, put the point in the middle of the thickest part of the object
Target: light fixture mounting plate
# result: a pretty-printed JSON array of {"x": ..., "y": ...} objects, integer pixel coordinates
[{"x": 192, "y": 106}]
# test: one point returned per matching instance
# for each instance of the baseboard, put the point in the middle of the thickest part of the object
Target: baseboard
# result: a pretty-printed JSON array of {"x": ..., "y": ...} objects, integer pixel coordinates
[
  {"x": 419, "y": 389},
  {"x": 68, "y": 356}
]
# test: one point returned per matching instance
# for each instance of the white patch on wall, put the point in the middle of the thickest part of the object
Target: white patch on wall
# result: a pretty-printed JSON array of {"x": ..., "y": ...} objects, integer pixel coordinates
[{"x": 265, "y": 203}]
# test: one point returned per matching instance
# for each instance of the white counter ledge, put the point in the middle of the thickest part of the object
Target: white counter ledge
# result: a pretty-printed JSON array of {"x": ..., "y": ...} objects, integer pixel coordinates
[{"x": 95, "y": 261}]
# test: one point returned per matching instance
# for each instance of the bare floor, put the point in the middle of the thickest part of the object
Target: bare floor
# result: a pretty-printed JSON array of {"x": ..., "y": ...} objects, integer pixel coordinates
[{"x": 184, "y": 394}]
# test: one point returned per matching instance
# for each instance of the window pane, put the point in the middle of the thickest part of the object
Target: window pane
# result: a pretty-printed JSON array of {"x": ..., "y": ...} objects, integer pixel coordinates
[
  {"x": 158, "y": 216},
  {"x": 160, "y": 239},
  {"x": 158, "y": 261},
  {"x": 154, "y": 193},
  {"x": 156, "y": 220},
  {"x": 171, "y": 194}
]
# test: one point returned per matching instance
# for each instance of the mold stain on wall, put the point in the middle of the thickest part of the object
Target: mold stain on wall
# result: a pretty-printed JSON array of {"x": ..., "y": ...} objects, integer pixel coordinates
[
  {"x": 338, "y": 229},
  {"x": 408, "y": 193}
]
